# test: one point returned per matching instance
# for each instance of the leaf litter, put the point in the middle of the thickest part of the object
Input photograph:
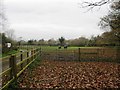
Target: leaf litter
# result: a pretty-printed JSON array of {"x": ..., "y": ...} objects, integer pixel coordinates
[{"x": 67, "y": 74}]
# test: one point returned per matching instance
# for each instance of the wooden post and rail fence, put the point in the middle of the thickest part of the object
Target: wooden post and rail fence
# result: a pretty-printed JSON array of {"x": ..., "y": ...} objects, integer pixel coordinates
[
  {"x": 84, "y": 54},
  {"x": 99, "y": 54},
  {"x": 15, "y": 64}
]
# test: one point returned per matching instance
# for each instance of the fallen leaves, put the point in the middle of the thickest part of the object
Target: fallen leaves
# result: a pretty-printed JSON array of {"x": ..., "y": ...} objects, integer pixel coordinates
[{"x": 62, "y": 74}]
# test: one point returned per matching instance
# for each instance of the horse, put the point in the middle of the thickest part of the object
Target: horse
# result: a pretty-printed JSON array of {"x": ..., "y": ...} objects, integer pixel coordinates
[
  {"x": 59, "y": 47},
  {"x": 65, "y": 47}
]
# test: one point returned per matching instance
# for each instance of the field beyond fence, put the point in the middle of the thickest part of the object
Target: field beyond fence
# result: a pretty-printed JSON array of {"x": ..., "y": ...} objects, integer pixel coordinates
[{"x": 83, "y": 54}]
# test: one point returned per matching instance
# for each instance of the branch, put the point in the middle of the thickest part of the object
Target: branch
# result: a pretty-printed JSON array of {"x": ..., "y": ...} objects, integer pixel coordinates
[{"x": 91, "y": 5}]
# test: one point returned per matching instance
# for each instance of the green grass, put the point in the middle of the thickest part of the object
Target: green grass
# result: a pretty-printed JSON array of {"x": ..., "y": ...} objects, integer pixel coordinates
[
  {"x": 14, "y": 52},
  {"x": 8, "y": 53},
  {"x": 53, "y": 48},
  {"x": 45, "y": 48}
]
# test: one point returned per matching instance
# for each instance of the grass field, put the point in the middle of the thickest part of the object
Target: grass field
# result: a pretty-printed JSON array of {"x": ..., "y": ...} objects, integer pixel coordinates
[
  {"x": 46, "y": 48},
  {"x": 8, "y": 53},
  {"x": 14, "y": 51},
  {"x": 85, "y": 53},
  {"x": 53, "y": 48}
]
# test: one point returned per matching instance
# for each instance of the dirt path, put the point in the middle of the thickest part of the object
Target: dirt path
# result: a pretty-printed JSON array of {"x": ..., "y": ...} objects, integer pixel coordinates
[{"x": 61, "y": 74}]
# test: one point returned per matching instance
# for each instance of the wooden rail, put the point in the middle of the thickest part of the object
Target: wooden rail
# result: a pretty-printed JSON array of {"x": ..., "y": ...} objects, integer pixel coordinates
[{"x": 16, "y": 68}]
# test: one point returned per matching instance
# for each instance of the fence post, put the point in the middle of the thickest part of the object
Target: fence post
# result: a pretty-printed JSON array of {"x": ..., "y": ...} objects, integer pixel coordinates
[
  {"x": 35, "y": 53},
  {"x": 21, "y": 58},
  {"x": 32, "y": 54},
  {"x": 79, "y": 54},
  {"x": 40, "y": 53},
  {"x": 13, "y": 66},
  {"x": 27, "y": 56},
  {"x": 10, "y": 65},
  {"x": 98, "y": 54},
  {"x": 118, "y": 54}
]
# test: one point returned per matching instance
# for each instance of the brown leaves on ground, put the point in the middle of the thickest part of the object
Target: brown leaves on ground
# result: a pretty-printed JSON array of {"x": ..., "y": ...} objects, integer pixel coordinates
[{"x": 63, "y": 74}]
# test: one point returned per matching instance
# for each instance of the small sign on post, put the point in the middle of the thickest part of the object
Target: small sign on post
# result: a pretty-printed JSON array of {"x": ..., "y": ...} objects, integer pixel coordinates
[
  {"x": 8, "y": 45},
  {"x": 29, "y": 53}
]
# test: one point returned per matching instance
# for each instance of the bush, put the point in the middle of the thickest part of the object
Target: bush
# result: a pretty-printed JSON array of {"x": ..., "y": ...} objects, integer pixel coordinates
[{"x": 5, "y": 40}]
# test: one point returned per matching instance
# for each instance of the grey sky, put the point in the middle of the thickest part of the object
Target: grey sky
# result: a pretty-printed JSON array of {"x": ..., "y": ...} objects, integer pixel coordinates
[{"x": 37, "y": 19}]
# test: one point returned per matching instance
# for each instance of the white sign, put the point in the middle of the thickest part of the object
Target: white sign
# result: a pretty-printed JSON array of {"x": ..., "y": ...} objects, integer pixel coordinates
[
  {"x": 8, "y": 45},
  {"x": 30, "y": 53}
]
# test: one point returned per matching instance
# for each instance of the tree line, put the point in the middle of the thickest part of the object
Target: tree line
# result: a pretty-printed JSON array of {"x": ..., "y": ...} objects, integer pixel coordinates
[{"x": 100, "y": 40}]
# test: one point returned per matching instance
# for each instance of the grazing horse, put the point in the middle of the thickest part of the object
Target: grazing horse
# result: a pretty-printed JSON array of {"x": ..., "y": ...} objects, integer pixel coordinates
[
  {"x": 59, "y": 47},
  {"x": 65, "y": 47}
]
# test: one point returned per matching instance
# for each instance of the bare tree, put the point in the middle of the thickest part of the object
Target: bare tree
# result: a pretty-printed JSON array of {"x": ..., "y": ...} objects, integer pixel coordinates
[
  {"x": 3, "y": 19},
  {"x": 61, "y": 40},
  {"x": 111, "y": 21},
  {"x": 93, "y": 4},
  {"x": 10, "y": 34}
]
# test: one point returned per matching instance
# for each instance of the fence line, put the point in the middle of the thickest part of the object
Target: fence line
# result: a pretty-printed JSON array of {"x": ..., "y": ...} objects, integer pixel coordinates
[
  {"x": 100, "y": 54},
  {"x": 16, "y": 67},
  {"x": 83, "y": 54}
]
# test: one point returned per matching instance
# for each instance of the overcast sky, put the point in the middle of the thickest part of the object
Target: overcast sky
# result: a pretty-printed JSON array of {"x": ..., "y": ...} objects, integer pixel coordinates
[{"x": 37, "y": 19}]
